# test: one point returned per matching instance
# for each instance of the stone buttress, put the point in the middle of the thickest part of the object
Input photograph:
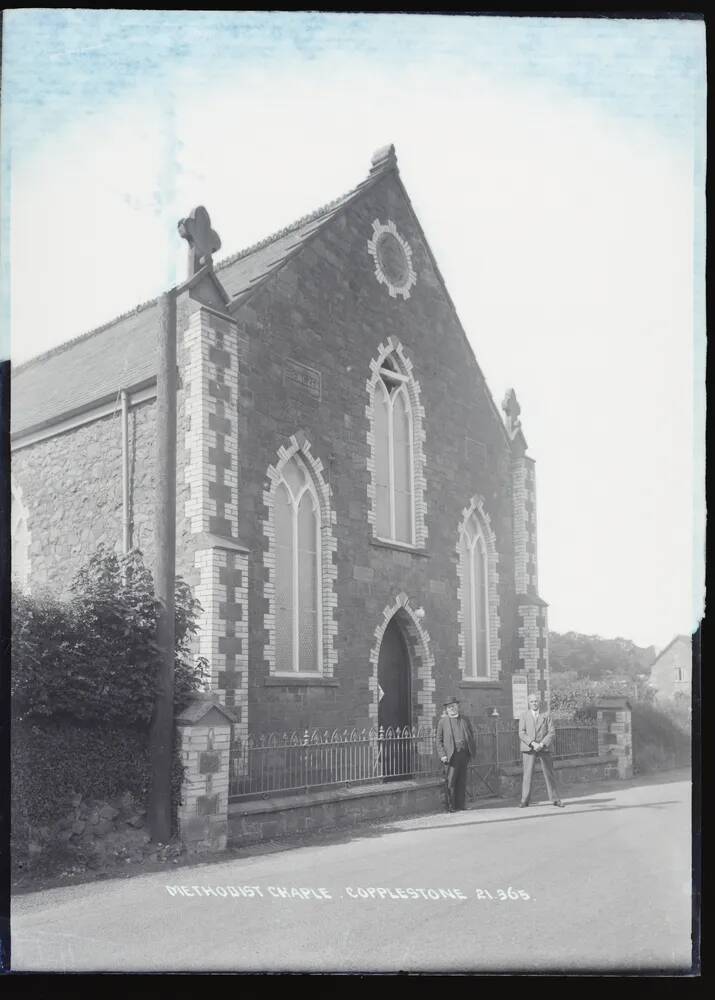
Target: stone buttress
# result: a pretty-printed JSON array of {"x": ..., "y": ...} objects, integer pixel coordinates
[
  {"x": 210, "y": 379},
  {"x": 532, "y": 624}
]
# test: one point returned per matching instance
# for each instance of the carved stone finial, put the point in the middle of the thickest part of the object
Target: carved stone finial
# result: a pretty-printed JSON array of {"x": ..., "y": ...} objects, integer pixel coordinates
[
  {"x": 383, "y": 157},
  {"x": 511, "y": 408},
  {"x": 202, "y": 239}
]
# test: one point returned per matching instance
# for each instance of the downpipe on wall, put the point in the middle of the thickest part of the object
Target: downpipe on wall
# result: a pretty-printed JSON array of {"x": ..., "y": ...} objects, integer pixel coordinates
[{"x": 126, "y": 526}]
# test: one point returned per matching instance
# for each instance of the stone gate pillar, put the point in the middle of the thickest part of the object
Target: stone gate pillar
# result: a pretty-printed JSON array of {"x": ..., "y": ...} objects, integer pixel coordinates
[
  {"x": 614, "y": 732},
  {"x": 204, "y": 736}
]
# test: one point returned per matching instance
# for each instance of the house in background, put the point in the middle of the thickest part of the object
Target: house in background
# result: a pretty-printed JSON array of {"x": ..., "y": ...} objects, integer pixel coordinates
[
  {"x": 354, "y": 513},
  {"x": 672, "y": 670}
]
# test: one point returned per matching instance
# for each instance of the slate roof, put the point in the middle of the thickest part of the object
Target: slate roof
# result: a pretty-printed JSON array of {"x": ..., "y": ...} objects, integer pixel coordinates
[
  {"x": 93, "y": 368},
  {"x": 88, "y": 370},
  {"x": 613, "y": 701},
  {"x": 678, "y": 638},
  {"x": 202, "y": 706}
]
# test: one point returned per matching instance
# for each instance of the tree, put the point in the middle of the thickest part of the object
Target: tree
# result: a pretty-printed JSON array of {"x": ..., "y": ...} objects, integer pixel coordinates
[
  {"x": 590, "y": 656},
  {"x": 94, "y": 657}
]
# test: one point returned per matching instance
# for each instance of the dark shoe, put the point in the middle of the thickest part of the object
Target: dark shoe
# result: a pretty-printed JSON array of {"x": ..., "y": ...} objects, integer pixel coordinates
[{"x": 559, "y": 803}]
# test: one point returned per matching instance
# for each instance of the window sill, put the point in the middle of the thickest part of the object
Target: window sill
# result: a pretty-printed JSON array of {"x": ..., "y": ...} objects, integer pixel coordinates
[
  {"x": 384, "y": 543},
  {"x": 300, "y": 680},
  {"x": 480, "y": 682}
]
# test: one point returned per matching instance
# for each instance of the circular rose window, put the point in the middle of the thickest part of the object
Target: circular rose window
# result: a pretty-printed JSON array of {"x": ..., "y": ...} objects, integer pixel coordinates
[{"x": 393, "y": 259}]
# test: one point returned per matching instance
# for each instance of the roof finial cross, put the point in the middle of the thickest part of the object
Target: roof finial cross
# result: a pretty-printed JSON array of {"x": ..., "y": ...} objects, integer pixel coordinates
[
  {"x": 202, "y": 239},
  {"x": 511, "y": 408}
]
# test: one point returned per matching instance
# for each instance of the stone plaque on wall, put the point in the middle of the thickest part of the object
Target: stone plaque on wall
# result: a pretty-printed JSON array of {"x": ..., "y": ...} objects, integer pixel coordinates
[
  {"x": 519, "y": 694},
  {"x": 208, "y": 762},
  {"x": 294, "y": 373},
  {"x": 207, "y": 805},
  {"x": 475, "y": 453}
]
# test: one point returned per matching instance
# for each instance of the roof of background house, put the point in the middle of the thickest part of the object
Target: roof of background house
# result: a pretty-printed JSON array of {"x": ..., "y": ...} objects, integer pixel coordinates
[
  {"x": 95, "y": 366},
  {"x": 685, "y": 638}
]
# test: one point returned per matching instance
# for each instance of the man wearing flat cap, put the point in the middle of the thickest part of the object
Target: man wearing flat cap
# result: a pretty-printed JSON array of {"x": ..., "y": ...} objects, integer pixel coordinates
[{"x": 456, "y": 743}]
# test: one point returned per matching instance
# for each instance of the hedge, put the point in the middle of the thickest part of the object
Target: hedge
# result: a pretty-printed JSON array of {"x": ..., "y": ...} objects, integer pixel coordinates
[
  {"x": 659, "y": 743},
  {"x": 53, "y": 761},
  {"x": 83, "y": 679}
]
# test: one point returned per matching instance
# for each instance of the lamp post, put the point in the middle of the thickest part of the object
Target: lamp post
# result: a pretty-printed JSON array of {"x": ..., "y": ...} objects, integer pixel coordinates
[{"x": 494, "y": 715}]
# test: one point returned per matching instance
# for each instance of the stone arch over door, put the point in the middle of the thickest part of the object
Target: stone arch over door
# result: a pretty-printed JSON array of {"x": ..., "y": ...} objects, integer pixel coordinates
[{"x": 417, "y": 640}]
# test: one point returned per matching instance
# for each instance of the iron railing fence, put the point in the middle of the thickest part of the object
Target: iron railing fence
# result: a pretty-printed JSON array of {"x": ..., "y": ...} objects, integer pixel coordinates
[
  {"x": 573, "y": 739},
  {"x": 283, "y": 763},
  {"x": 577, "y": 739},
  {"x": 276, "y": 763}
]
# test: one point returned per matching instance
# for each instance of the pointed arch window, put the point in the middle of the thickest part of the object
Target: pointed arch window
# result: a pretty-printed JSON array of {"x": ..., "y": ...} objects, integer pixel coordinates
[
  {"x": 298, "y": 628},
  {"x": 394, "y": 459},
  {"x": 475, "y": 599}
]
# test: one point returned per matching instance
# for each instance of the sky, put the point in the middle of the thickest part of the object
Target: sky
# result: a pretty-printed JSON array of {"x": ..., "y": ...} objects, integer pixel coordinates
[{"x": 557, "y": 166}]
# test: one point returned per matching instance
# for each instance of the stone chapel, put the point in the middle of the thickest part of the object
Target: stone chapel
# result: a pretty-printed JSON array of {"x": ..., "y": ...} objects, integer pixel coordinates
[{"x": 354, "y": 513}]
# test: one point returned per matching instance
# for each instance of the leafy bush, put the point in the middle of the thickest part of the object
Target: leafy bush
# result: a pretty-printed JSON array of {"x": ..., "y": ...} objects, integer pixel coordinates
[
  {"x": 659, "y": 742},
  {"x": 94, "y": 657},
  {"x": 52, "y": 761},
  {"x": 577, "y": 697},
  {"x": 679, "y": 710},
  {"x": 83, "y": 682},
  {"x": 661, "y": 733}
]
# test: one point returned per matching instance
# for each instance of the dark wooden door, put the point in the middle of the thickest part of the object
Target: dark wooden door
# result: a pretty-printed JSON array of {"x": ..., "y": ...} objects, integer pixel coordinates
[{"x": 393, "y": 675}]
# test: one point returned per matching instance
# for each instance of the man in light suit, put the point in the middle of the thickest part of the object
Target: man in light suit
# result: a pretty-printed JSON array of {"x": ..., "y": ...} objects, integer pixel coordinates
[
  {"x": 536, "y": 735},
  {"x": 456, "y": 743}
]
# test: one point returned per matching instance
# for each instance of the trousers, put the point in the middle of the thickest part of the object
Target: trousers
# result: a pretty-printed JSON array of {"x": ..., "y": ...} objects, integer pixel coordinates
[
  {"x": 547, "y": 766},
  {"x": 457, "y": 780}
]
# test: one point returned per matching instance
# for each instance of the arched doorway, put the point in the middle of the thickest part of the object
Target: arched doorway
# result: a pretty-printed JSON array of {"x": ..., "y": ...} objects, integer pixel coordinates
[
  {"x": 393, "y": 676},
  {"x": 421, "y": 663},
  {"x": 393, "y": 712}
]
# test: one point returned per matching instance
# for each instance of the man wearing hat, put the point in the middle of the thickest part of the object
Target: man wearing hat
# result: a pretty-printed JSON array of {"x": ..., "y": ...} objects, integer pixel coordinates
[{"x": 455, "y": 744}]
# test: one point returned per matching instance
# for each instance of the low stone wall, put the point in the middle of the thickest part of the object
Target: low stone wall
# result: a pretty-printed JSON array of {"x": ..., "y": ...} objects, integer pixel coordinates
[
  {"x": 92, "y": 833},
  {"x": 253, "y": 822},
  {"x": 341, "y": 808},
  {"x": 568, "y": 772}
]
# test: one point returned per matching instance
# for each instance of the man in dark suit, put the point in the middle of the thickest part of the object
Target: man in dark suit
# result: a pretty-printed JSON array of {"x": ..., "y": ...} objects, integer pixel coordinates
[
  {"x": 456, "y": 743},
  {"x": 536, "y": 735}
]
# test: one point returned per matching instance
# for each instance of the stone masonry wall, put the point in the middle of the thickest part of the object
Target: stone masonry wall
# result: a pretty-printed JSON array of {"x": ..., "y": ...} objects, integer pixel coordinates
[
  {"x": 71, "y": 486},
  {"x": 92, "y": 833},
  {"x": 326, "y": 310}
]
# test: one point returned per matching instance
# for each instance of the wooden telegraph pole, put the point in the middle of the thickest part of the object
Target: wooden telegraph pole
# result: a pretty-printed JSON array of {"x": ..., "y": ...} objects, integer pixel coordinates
[
  {"x": 203, "y": 286},
  {"x": 162, "y": 726}
]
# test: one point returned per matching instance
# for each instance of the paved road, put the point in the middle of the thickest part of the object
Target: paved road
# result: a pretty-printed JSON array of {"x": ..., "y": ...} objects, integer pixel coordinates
[{"x": 607, "y": 881}]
